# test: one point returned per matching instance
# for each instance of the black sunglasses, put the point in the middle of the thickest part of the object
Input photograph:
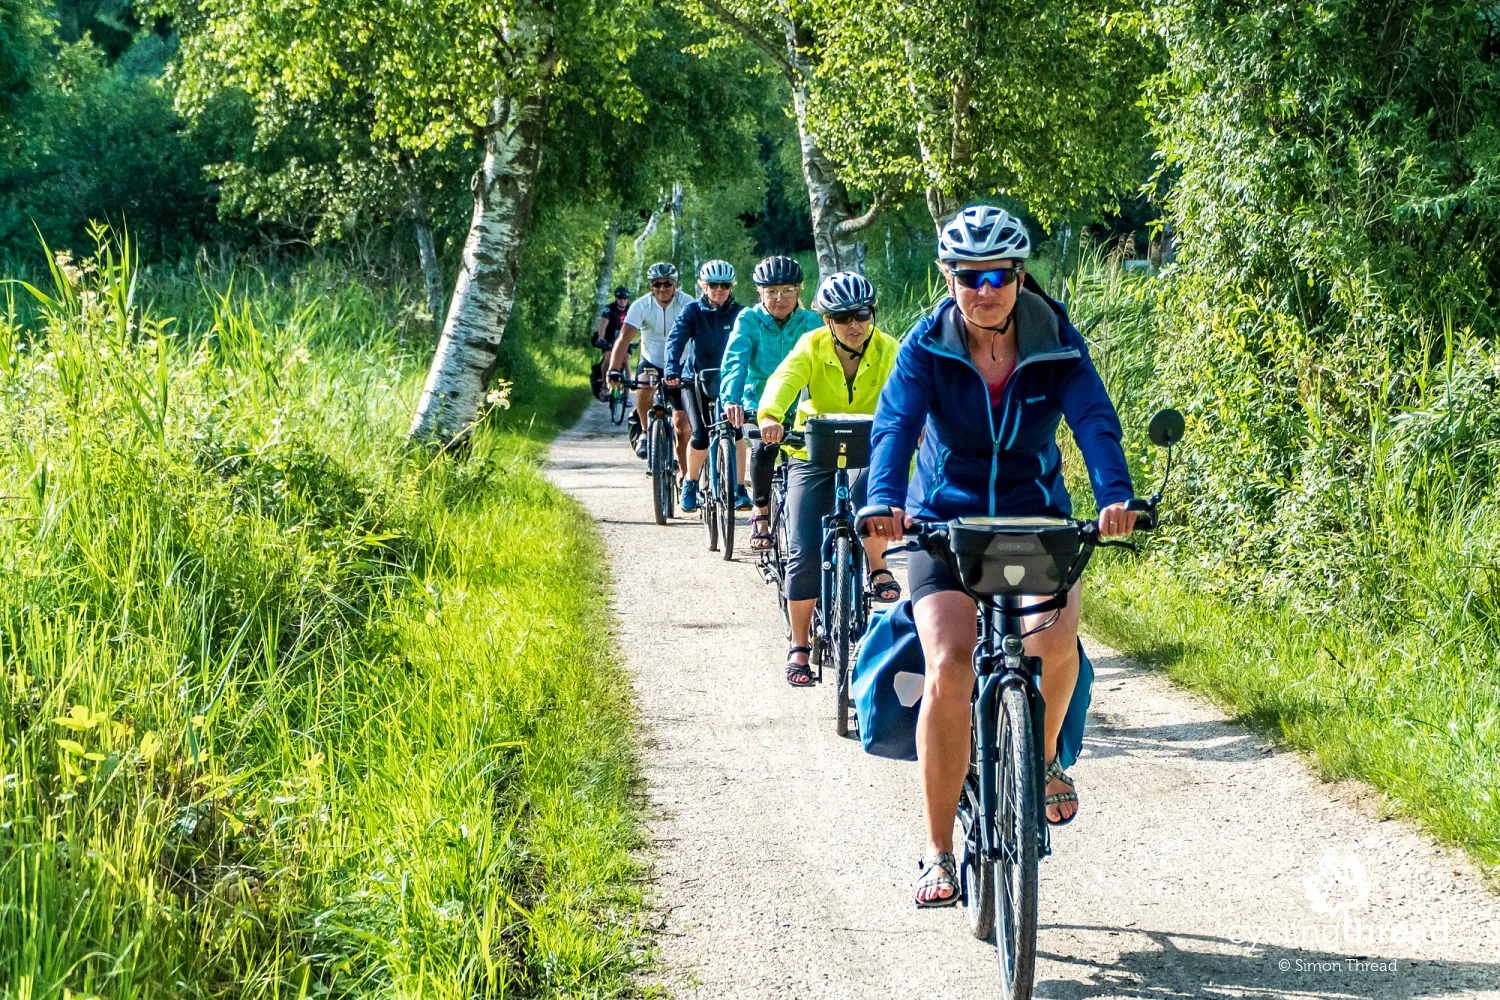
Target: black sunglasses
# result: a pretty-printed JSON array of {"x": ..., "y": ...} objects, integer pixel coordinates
[
  {"x": 662, "y": 284},
  {"x": 857, "y": 316},
  {"x": 996, "y": 278},
  {"x": 719, "y": 284}
]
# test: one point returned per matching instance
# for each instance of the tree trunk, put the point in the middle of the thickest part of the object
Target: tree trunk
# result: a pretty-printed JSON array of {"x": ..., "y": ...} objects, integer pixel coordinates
[
  {"x": 827, "y": 198},
  {"x": 504, "y": 189},
  {"x": 432, "y": 271},
  {"x": 640, "y": 250},
  {"x": 604, "y": 290}
]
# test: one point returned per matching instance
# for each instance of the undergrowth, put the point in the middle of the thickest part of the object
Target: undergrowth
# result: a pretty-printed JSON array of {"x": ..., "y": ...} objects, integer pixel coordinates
[{"x": 287, "y": 710}]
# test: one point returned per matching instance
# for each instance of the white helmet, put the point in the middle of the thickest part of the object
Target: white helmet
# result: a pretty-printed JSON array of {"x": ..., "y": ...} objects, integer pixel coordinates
[
  {"x": 983, "y": 232},
  {"x": 716, "y": 270}
]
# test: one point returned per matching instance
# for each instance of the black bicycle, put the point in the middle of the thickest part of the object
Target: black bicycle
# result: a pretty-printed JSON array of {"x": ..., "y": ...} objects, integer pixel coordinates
[
  {"x": 1013, "y": 567},
  {"x": 772, "y": 561},
  {"x": 661, "y": 443},
  {"x": 840, "y": 442},
  {"x": 716, "y": 504}
]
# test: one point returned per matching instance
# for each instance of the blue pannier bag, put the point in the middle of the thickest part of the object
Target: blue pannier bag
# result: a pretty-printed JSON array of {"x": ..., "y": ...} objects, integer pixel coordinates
[{"x": 889, "y": 677}]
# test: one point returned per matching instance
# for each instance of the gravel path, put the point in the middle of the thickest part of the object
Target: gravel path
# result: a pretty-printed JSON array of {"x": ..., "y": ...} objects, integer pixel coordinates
[{"x": 1203, "y": 864}]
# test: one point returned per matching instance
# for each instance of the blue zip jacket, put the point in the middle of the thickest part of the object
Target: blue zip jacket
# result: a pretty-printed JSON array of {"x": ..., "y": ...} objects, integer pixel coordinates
[
  {"x": 979, "y": 460},
  {"x": 757, "y": 345},
  {"x": 706, "y": 329}
]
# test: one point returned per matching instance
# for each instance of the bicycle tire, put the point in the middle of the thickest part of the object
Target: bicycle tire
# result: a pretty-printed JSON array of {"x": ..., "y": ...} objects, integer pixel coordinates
[
  {"x": 708, "y": 512},
  {"x": 1015, "y": 872},
  {"x": 617, "y": 405},
  {"x": 660, "y": 452},
  {"x": 842, "y": 621},
  {"x": 781, "y": 546},
  {"x": 725, "y": 488},
  {"x": 978, "y": 877}
]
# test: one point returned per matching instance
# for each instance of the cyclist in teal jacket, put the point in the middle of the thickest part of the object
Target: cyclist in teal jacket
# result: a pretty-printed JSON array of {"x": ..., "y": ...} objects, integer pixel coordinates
[{"x": 762, "y": 337}]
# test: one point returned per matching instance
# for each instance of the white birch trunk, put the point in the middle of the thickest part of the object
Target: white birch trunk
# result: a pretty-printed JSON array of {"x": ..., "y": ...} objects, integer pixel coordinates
[
  {"x": 640, "y": 250},
  {"x": 604, "y": 290},
  {"x": 432, "y": 271},
  {"x": 504, "y": 189},
  {"x": 827, "y": 198}
]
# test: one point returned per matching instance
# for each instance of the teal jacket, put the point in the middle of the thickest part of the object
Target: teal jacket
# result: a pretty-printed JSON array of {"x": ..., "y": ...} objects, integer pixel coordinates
[{"x": 756, "y": 347}]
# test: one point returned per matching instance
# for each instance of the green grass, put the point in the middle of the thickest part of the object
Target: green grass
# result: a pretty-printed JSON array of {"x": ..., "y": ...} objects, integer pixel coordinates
[
  {"x": 286, "y": 710},
  {"x": 1365, "y": 630}
]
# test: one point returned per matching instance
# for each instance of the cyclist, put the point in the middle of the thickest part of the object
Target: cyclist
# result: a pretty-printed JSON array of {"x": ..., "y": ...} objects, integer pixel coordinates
[
  {"x": 652, "y": 316},
  {"x": 611, "y": 319},
  {"x": 843, "y": 366},
  {"x": 761, "y": 338},
  {"x": 697, "y": 343},
  {"x": 982, "y": 381}
]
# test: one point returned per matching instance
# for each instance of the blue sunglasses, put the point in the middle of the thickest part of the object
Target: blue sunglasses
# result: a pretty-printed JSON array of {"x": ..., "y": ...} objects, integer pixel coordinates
[{"x": 996, "y": 278}]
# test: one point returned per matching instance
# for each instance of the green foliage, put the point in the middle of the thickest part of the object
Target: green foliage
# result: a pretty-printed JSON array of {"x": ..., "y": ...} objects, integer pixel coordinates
[
  {"x": 286, "y": 710},
  {"x": 1032, "y": 103},
  {"x": 94, "y": 141},
  {"x": 1339, "y": 222}
]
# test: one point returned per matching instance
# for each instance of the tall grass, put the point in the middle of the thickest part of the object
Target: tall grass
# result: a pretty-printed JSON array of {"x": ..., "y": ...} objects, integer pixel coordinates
[
  {"x": 1358, "y": 617},
  {"x": 286, "y": 710}
]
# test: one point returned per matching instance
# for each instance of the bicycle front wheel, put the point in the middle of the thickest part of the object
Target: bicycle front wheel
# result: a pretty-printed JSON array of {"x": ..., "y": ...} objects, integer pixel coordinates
[
  {"x": 708, "y": 510},
  {"x": 842, "y": 618},
  {"x": 662, "y": 485},
  {"x": 1016, "y": 829},
  {"x": 617, "y": 405},
  {"x": 724, "y": 483}
]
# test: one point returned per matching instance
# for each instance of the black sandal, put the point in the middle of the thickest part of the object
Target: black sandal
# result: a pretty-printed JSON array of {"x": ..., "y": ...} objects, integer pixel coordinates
[
  {"x": 760, "y": 537},
  {"x": 886, "y": 591},
  {"x": 799, "y": 675}
]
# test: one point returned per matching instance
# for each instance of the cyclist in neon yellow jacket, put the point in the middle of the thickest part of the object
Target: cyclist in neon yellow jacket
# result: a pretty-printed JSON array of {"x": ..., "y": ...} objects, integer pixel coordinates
[
  {"x": 843, "y": 366},
  {"x": 761, "y": 340}
]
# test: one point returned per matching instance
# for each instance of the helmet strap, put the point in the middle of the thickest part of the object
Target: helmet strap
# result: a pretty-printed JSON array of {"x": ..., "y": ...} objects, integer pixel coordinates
[
  {"x": 855, "y": 353},
  {"x": 996, "y": 332}
]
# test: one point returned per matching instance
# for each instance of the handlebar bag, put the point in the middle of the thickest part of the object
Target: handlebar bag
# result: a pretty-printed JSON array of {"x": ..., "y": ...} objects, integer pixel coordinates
[
  {"x": 839, "y": 440},
  {"x": 890, "y": 676}
]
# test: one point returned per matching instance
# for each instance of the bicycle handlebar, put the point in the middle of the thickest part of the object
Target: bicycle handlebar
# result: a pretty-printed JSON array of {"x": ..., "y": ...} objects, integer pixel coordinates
[
  {"x": 792, "y": 439},
  {"x": 924, "y": 531}
]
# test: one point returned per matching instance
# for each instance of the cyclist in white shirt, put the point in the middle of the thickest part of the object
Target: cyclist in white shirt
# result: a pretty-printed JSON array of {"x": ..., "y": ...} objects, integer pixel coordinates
[{"x": 653, "y": 316}]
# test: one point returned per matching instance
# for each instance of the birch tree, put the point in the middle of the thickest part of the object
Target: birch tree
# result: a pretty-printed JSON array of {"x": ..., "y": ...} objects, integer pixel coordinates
[
  {"x": 782, "y": 33},
  {"x": 484, "y": 73}
]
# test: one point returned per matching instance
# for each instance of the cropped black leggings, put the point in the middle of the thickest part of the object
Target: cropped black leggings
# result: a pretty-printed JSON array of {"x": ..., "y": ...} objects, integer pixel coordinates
[
  {"x": 699, "y": 409},
  {"x": 809, "y": 495},
  {"x": 762, "y": 467}
]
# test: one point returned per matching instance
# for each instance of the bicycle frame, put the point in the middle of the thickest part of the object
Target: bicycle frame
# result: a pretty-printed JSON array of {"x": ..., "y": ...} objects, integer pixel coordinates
[{"x": 839, "y": 524}]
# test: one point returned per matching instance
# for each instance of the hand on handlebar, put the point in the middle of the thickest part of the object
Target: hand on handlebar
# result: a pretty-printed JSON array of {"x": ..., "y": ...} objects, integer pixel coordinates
[
  {"x": 1116, "y": 521},
  {"x": 890, "y": 529},
  {"x": 735, "y": 414},
  {"x": 615, "y": 376},
  {"x": 672, "y": 381},
  {"x": 771, "y": 431}
]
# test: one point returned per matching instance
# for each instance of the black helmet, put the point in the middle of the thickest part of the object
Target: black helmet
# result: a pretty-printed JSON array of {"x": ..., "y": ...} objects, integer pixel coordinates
[
  {"x": 844, "y": 291},
  {"x": 778, "y": 271},
  {"x": 622, "y": 290}
]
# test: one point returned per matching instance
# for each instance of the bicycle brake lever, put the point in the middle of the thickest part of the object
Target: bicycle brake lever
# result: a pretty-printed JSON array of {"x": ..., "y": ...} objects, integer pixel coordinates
[{"x": 1118, "y": 545}]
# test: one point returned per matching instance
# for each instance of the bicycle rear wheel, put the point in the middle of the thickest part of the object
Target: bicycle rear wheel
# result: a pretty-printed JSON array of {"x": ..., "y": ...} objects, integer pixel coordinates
[
  {"x": 1016, "y": 870},
  {"x": 724, "y": 483},
  {"x": 617, "y": 405},
  {"x": 708, "y": 511},
  {"x": 780, "y": 549},
  {"x": 660, "y": 445},
  {"x": 842, "y": 620}
]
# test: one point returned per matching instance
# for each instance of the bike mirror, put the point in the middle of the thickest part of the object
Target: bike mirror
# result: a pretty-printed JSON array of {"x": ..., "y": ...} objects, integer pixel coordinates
[{"x": 1166, "y": 428}]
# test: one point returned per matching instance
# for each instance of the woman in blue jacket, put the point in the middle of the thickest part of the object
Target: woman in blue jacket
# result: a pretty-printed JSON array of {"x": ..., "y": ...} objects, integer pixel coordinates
[{"x": 982, "y": 382}]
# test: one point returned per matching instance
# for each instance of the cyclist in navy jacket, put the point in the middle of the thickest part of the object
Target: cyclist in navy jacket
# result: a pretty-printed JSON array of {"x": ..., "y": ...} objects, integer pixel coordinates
[
  {"x": 983, "y": 382},
  {"x": 697, "y": 343}
]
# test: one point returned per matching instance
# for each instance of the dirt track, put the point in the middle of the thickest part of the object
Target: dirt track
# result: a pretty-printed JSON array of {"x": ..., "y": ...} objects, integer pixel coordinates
[{"x": 785, "y": 856}]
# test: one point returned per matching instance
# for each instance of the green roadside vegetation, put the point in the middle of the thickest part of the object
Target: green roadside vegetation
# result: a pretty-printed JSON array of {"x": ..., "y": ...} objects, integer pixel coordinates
[
  {"x": 1351, "y": 615},
  {"x": 289, "y": 711}
]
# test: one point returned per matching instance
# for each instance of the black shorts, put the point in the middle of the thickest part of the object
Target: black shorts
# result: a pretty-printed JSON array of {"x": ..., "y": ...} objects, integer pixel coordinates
[{"x": 926, "y": 574}]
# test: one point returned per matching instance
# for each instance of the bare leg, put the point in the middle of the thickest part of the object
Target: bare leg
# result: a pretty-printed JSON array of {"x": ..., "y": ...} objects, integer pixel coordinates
[
  {"x": 740, "y": 452},
  {"x": 684, "y": 432},
  {"x": 801, "y": 613},
  {"x": 695, "y": 462},
  {"x": 946, "y": 626},
  {"x": 1057, "y": 645},
  {"x": 643, "y": 407}
]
